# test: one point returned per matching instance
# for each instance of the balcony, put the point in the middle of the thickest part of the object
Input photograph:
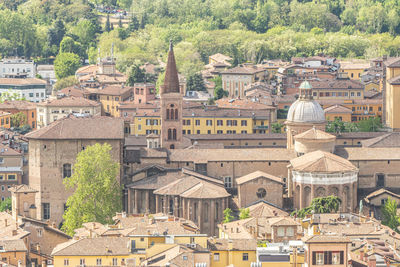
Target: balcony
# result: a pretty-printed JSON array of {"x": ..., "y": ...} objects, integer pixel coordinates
[{"x": 260, "y": 127}]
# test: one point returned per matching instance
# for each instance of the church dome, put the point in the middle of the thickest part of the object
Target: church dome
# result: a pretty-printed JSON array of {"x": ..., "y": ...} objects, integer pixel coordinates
[{"x": 305, "y": 109}]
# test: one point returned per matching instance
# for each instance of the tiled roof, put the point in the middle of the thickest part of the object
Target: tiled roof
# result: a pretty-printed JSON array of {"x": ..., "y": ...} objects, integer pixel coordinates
[
  {"x": 380, "y": 192},
  {"x": 326, "y": 239},
  {"x": 72, "y": 127},
  {"x": 315, "y": 134},
  {"x": 264, "y": 209},
  {"x": 206, "y": 190},
  {"x": 208, "y": 155},
  {"x": 392, "y": 62},
  {"x": 87, "y": 69},
  {"x": 23, "y": 188},
  {"x": 70, "y": 101},
  {"x": 6, "y": 150},
  {"x": 115, "y": 90},
  {"x": 387, "y": 140},
  {"x": 336, "y": 84},
  {"x": 24, "y": 81},
  {"x": 278, "y": 136},
  {"x": 323, "y": 162},
  {"x": 394, "y": 80},
  {"x": 368, "y": 153},
  {"x": 98, "y": 246},
  {"x": 72, "y": 91},
  {"x": 243, "y": 69},
  {"x": 17, "y": 104},
  {"x": 257, "y": 174},
  {"x": 338, "y": 109},
  {"x": 220, "y": 57},
  {"x": 13, "y": 245},
  {"x": 222, "y": 244},
  {"x": 241, "y": 104}
]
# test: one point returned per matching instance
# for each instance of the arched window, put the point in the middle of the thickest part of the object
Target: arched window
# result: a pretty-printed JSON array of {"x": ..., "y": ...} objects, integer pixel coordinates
[
  {"x": 169, "y": 134},
  {"x": 261, "y": 193},
  {"x": 66, "y": 170},
  {"x": 174, "y": 134},
  {"x": 167, "y": 113},
  {"x": 206, "y": 215},
  {"x": 176, "y": 114}
]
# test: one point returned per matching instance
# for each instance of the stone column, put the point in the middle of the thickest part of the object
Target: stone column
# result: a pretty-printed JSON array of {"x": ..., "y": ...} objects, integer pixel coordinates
[
  {"x": 176, "y": 206},
  {"x": 200, "y": 215},
  {"x": 301, "y": 197},
  {"x": 183, "y": 203},
  {"x": 190, "y": 209},
  {"x": 165, "y": 208},
  {"x": 137, "y": 208},
  {"x": 157, "y": 203},
  {"x": 147, "y": 209},
  {"x": 212, "y": 217}
]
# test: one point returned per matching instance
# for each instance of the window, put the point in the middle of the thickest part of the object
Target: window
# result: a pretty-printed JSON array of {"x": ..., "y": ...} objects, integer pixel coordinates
[
  {"x": 220, "y": 132},
  {"x": 380, "y": 182},
  {"x": 245, "y": 256},
  {"x": 183, "y": 131},
  {"x": 3, "y": 188},
  {"x": 244, "y": 132},
  {"x": 82, "y": 262},
  {"x": 261, "y": 193},
  {"x": 11, "y": 177},
  {"x": 197, "y": 122},
  {"x": 209, "y": 122},
  {"x": 30, "y": 94},
  {"x": 1, "y": 160},
  {"x": 290, "y": 231},
  {"x": 39, "y": 233},
  {"x": 228, "y": 182},
  {"x": 46, "y": 211},
  {"x": 336, "y": 257},
  {"x": 98, "y": 262},
  {"x": 185, "y": 258},
  {"x": 220, "y": 122},
  {"x": 216, "y": 256},
  {"x": 114, "y": 261},
  {"x": 244, "y": 123},
  {"x": 198, "y": 131},
  {"x": 66, "y": 262},
  {"x": 383, "y": 201},
  {"x": 281, "y": 231},
  {"x": 358, "y": 93},
  {"x": 66, "y": 170},
  {"x": 318, "y": 258},
  {"x": 208, "y": 131}
]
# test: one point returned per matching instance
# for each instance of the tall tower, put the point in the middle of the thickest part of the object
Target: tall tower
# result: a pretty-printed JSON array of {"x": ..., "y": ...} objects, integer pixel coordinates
[{"x": 171, "y": 105}]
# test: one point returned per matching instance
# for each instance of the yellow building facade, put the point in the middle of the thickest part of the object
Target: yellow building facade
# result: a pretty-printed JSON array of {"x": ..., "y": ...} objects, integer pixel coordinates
[
  {"x": 5, "y": 120},
  {"x": 392, "y": 97},
  {"x": 239, "y": 258},
  {"x": 144, "y": 125},
  {"x": 100, "y": 260}
]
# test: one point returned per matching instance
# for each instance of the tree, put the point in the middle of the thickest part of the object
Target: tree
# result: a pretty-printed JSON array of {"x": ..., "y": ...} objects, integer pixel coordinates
[
  {"x": 65, "y": 82},
  {"x": 218, "y": 91},
  {"x": 228, "y": 217},
  {"x": 56, "y": 33},
  {"x": 372, "y": 124},
  {"x": 120, "y": 22},
  {"x": 136, "y": 75},
  {"x": 320, "y": 205},
  {"x": 389, "y": 214},
  {"x": 97, "y": 192},
  {"x": 68, "y": 45},
  {"x": 18, "y": 119},
  {"x": 276, "y": 127},
  {"x": 5, "y": 204},
  {"x": 107, "y": 26},
  {"x": 134, "y": 24},
  {"x": 66, "y": 64},
  {"x": 336, "y": 126},
  {"x": 244, "y": 213},
  {"x": 195, "y": 82}
]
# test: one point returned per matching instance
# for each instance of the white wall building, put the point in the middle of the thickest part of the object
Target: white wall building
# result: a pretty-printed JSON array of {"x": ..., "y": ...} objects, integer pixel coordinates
[
  {"x": 17, "y": 68},
  {"x": 47, "y": 73},
  {"x": 32, "y": 89}
]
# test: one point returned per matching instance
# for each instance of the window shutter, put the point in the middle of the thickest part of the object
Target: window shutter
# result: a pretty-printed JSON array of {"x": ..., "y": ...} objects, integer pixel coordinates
[
  {"x": 325, "y": 257},
  {"x": 314, "y": 258},
  {"x": 341, "y": 257},
  {"x": 329, "y": 257}
]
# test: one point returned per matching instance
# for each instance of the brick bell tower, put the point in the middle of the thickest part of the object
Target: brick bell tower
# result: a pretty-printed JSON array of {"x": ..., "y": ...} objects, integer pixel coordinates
[{"x": 171, "y": 105}]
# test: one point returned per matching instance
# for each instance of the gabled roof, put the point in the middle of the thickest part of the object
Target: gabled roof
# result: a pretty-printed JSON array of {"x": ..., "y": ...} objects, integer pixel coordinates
[
  {"x": 23, "y": 188},
  {"x": 73, "y": 127},
  {"x": 387, "y": 140},
  {"x": 380, "y": 192},
  {"x": 205, "y": 190},
  {"x": 222, "y": 244},
  {"x": 392, "y": 62},
  {"x": 314, "y": 134},
  {"x": 13, "y": 245},
  {"x": 327, "y": 239},
  {"x": 338, "y": 109},
  {"x": 262, "y": 208},
  {"x": 322, "y": 162},
  {"x": 394, "y": 80},
  {"x": 256, "y": 175}
]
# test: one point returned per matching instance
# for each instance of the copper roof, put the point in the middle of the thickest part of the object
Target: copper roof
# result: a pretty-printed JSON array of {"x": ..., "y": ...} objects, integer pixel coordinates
[
  {"x": 171, "y": 81},
  {"x": 256, "y": 175},
  {"x": 72, "y": 127},
  {"x": 322, "y": 162}
]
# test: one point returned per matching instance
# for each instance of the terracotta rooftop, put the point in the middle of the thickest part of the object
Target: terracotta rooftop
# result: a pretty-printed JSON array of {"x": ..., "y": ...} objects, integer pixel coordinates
[
  {"x": 22, "y": 188},
  {"x": 98, "y": 246},
  {"x": 13, "y": 245},
  {"x": 70, "y": 101},
  {"x": 338, "y": 109},
  {"x": 380, "y": 192},
  {"x": 115, "y": 90},
  {"x": 326, "y": 239},
  {"x": 241, "y": 104},
  {"x": 222, "y": 244},
  {"x": 6, "y": 150},
  {"x": 387, "y": 140},
  {"x": 244, "y": 70},
  {"x": 368, "y": 153},
  {"x": 220, "y": 57},
  {"x": 256, "y": 175},
  {"x": 17, "y": 104},
  {"x": 392, "y": 62},
  {"x": 264, "y": 209},
  {"x": 336, "y": 84},
  {"x": 87, "y": 69},
  {"x": 72, "y": 91},
  {"x": 24, "y": 81},
  {"x": 73, "y": 127},
  {"x": 315, "y": 134},
  {"x": 205, "y": 190},
  {"x": 322, "y": 162}
]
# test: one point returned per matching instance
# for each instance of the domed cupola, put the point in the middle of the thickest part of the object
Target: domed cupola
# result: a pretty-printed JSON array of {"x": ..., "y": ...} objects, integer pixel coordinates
[{"x": 304, "y": 114}]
